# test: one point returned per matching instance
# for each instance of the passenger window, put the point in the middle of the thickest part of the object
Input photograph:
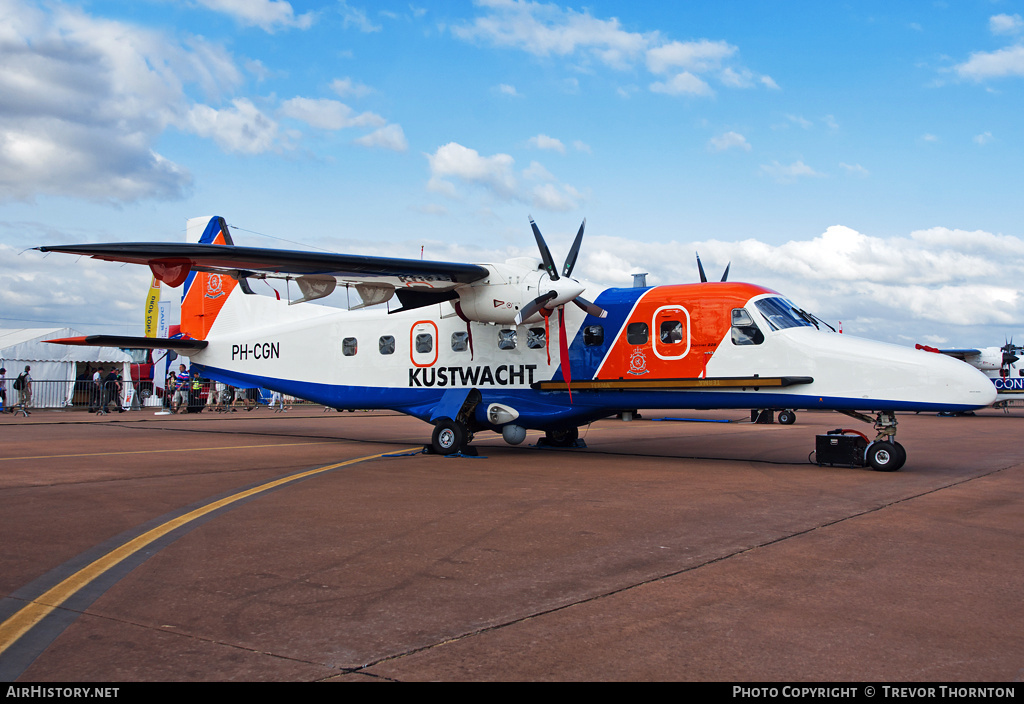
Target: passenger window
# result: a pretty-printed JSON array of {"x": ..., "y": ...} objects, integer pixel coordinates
[
  {"x": 506, "y": 339},
  {"x": 460, "y": 341},
  {"x": 535, "y": 339},
  {"x": 744, "y": 331},
  {"x": 424, "y": 342},
  {"x": 637, "y": 333},
  {"x": 386, "y": 344},
  {"x": 349, "y": 347},
  {"x": 593, "y": 335},
  {"x": 671, "y": 332}
]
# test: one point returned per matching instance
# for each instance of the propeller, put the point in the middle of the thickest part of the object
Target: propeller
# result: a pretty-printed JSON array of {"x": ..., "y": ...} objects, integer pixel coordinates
[
  {"x": 563, "y": 290},
  {"x": 703, "y": 276},
  {"x": 1009, "y": 356}
]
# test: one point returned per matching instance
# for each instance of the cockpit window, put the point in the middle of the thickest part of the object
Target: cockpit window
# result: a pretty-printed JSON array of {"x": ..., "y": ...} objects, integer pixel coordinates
[
  {"x": 744, "y": 331},
  {"x": 782, "y": 314}
]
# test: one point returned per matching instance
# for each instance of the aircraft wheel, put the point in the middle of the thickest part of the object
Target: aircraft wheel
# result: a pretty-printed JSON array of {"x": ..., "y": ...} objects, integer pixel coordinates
[
  {"x": 885, "y": 456},
  {"x": 786, "y": 417},
  {"x": 566, "y": 437},
  {"x": 902, "y": 458},
  {"x": 449, "y": 437}
]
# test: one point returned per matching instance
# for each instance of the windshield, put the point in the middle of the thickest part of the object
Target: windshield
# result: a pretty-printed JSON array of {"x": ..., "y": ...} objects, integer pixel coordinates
[{"x": 782, "y": 314}]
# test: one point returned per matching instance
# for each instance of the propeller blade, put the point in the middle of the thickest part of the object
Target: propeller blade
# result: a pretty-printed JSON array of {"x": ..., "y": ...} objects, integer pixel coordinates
[
  {"x": 534, "y": 306},
  {"x": 570, "y": 261},
  {"x": 594, "y": 309},
  {"x": 725, "y": 276},
  {"x": 563, "y": 353},
  {"x": 545, "y": 253},
  {"x": 700, "y": 268}
]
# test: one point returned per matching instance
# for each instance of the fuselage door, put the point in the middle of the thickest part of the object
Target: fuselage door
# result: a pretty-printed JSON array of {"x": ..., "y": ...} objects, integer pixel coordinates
[{"x": 670, "y": 331}]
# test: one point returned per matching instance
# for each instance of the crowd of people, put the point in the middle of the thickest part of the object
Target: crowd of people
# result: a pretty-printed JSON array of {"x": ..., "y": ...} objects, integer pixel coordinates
[
  {"x": 183, "y": 394},
  {"x": 104, "y": 388}
]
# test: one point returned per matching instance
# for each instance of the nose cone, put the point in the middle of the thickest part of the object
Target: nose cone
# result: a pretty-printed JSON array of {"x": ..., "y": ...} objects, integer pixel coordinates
[
  {"x": 880, "y": 376},
  {"x": 567, "y": 289},
  {"x": 959, "y": 383}
]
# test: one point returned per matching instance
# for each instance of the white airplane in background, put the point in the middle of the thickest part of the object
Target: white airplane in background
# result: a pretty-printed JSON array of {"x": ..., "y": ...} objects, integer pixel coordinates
[
  {"x": 999, "y": 364},
  {"x": 473, "y": 347}
]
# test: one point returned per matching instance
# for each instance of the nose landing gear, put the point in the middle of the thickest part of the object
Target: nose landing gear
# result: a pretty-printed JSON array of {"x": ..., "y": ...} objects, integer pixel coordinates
[{"x": 884, "y": 454}]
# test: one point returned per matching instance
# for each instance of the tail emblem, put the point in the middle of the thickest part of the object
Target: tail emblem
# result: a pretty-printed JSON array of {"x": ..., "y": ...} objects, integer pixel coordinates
[{"x": 214, "y": 286}]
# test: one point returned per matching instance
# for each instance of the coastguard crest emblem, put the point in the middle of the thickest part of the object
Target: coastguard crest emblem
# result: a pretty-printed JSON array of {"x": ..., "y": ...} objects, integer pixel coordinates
[
  {"x": 638, "y": 362},
  {"x": 214, "y": 286}
]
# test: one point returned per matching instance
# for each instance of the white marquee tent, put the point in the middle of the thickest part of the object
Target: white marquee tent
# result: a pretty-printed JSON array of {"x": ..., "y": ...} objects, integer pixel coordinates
[{"x": 53, "y": 366}]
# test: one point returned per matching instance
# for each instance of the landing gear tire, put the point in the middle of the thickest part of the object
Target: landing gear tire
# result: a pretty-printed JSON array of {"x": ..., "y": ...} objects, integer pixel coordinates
[
  {"x": 566, "y": 437},
  {"x": 449, "y": 437},
  {"x": 786, "y": 417},
  {"x": 885, "y": 456}
]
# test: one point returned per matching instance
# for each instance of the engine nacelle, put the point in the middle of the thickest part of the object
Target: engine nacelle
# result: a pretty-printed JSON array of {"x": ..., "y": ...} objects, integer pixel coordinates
[{"x": 499, "y": 297}]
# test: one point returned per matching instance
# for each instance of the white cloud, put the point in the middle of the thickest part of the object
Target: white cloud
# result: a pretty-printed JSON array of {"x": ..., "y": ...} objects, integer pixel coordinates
[
  {"x": 983, "y": 138},
  {"x": 555, "y": 197},
  {"x": 269, "y": 15},
  {"x": 356, "y": 17},
  {"x": 788, "y": 173},
  {"x": 548, "y": 30},
  {"x": 684, "y": 83},
  {"x": 327, "y": 114},
  {"x": 506, "y": 89},
  {"x": 241, "y": 129},
  {"x": 542, "y": 141},
  {"x": 85, "y": 101},
  {"x": 581, "y": 146},
  {"x": 345, "y": 87},
  {"x": 996, "y": 64},
  {"x": 855, "y": 170},
  {"x": 492, "y": 172},
  {"x": 388, "y": 137},
  {"x": 497, "y": 176},
  {"x": 729, "y": 140},
  {"x": 700, "y": 56},
  {"x": 1006, "y": 24}
]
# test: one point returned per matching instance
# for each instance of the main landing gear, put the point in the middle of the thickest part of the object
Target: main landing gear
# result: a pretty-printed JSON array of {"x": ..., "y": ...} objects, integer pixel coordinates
[
  {"x": 884, "y": 454},
  {"x": 450, "y": 436}
]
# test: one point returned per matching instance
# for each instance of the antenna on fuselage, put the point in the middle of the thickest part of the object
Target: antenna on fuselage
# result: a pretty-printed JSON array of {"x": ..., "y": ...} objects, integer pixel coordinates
[{"x": 640, "y": 280}]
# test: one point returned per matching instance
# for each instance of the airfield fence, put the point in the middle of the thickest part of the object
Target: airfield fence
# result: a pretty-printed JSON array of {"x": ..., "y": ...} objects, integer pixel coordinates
[{"x": 85, "y": 395}]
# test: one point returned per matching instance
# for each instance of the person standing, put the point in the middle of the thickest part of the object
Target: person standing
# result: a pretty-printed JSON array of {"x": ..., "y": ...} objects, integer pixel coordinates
[
  {"x": 96, "y": 392},
  {"x": 181, "y": 390},
  {"x": 23, "y": 385},
  {"x": 3, "y": 391},
  {"x": 111, "y": 391}
]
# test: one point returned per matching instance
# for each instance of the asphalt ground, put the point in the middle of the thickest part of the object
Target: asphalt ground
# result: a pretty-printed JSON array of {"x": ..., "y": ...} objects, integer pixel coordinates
[{"x": 664, "y": 550}]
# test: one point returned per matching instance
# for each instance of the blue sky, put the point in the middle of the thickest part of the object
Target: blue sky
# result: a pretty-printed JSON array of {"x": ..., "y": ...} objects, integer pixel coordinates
[{"x": 863, "y": 158}]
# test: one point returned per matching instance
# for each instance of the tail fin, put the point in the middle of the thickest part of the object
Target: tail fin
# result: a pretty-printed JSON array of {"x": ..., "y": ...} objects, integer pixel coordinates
[{"x": 204, "y": 294}]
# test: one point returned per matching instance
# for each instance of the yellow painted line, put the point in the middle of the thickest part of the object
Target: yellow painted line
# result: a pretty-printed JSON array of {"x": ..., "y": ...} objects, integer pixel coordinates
[
  {"x": 171, "y": 449},
  {"x": 24, "y": 620}
]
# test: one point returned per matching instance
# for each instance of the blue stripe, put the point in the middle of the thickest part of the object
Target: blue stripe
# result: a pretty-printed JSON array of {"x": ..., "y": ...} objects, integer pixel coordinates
[
  {"x": 551, "y": 409},
  {"x": 584, "y": 359}
]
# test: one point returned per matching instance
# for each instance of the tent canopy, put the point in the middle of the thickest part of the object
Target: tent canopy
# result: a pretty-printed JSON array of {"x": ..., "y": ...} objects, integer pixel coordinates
[{"x": 28, "y": 346}]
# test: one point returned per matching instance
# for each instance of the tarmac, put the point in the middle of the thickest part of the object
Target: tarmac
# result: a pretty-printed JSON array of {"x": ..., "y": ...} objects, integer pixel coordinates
[{"x": 319, "y": 546}]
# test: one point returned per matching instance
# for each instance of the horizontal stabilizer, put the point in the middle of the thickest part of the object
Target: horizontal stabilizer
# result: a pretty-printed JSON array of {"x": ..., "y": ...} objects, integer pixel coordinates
[{"x": 129, "y": 342}]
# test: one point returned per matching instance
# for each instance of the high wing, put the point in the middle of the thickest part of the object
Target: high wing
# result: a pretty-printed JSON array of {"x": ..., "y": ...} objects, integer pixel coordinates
[
  {"x": 377, "y": 277},
  {"x": 171, "y": 263}
]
